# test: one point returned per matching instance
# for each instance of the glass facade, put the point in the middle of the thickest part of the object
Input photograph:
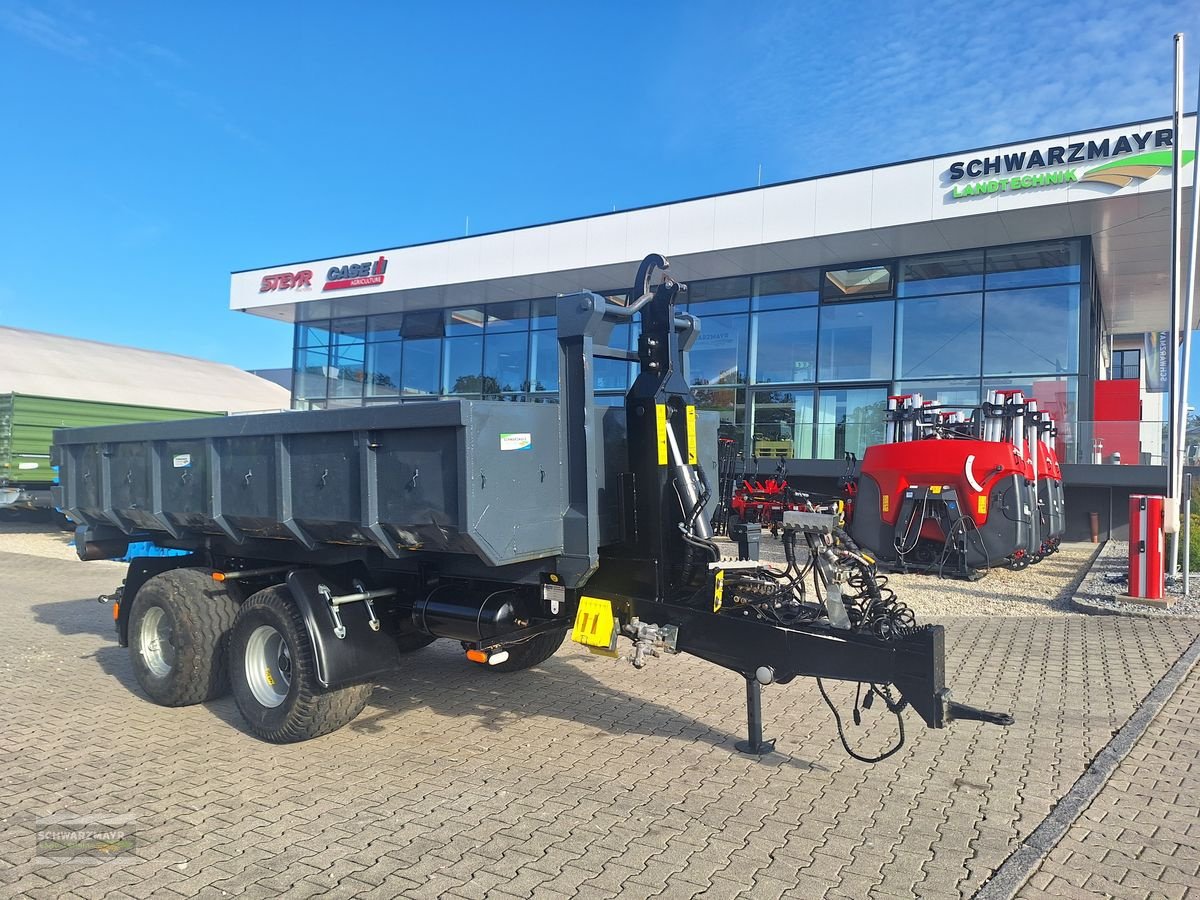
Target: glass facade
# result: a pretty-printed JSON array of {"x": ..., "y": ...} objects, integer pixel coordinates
[{"x": 799, "y": 364}]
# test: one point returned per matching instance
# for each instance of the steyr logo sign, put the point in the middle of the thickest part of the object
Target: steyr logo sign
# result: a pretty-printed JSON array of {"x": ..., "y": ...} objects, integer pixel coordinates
[
  {"x": 286, "y": 281},
  {"x": 1011, "y": 171},
  {"x": 355, "y": 275}
]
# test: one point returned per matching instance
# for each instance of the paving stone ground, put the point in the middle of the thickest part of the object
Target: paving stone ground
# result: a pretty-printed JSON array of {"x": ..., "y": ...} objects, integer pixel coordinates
[
  {"x": 1140, "y": 837},
  {"x": 580, "y": 778}
]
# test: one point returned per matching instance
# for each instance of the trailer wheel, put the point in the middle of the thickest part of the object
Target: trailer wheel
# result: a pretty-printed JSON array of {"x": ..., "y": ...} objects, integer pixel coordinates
[
  {"x": 533, "y": 651},
  {"x": 274, "y": 674},
  {"x": 178, "y": 630}
]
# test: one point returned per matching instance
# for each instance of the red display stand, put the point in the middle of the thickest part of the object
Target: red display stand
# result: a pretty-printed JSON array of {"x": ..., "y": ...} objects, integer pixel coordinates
[{"x": 1147, "y": 570}]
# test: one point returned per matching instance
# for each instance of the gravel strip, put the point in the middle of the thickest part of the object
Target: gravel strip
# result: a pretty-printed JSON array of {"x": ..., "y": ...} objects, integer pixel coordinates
[
  {"x": 41, "y": 539},
  {"x": 1108, "y": 578},
  {"x": 1043, "y": 589}
]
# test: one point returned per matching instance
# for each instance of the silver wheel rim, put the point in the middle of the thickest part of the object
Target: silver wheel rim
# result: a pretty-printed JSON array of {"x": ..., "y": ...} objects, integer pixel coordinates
[
  {"x": 268, "y": 666},
  {"x": 155, "y": 642}
]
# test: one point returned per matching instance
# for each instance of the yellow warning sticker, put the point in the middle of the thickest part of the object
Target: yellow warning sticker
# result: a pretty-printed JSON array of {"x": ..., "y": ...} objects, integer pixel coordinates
[
  {"x": 981, "y": 504},
  {"x": 887, "y": 503},
  {"x": 935, "y": 489},
  {"x": 595, "y": 625},
  {"x": 718, "y": 590},
  {"x": 693, "y": 458},
  {"x": 660, "y": 410}
]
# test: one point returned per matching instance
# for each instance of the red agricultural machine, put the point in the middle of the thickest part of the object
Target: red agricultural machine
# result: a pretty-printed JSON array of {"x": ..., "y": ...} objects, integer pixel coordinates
[{"x": 958, "y": 495}]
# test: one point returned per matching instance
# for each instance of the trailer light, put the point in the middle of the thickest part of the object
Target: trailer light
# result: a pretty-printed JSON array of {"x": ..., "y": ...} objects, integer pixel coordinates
[
  {"x": 496, "y": 658},
  {"x": 477, "y": 656},
  {"x": 116, "y": 611},
  {"x": 218, "y": 576}
]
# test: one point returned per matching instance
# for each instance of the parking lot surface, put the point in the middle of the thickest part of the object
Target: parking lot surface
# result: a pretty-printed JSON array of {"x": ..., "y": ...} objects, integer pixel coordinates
[{"x": 581, "y": 777}]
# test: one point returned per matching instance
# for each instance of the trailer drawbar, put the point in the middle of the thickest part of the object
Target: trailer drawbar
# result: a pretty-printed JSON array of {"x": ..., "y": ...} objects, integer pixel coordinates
[{"x": 326, "y": 546}]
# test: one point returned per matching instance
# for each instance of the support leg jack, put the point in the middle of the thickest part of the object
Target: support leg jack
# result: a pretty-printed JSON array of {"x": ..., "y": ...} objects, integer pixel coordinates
[{"x": 755, "y": 745}]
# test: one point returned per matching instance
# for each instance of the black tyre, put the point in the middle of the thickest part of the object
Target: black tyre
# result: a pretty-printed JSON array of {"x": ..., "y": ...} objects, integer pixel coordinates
[
  {"x": 534, "y": 651},
  {"x": 178, "y": 631},
  {"x": 274, "y": 674}
]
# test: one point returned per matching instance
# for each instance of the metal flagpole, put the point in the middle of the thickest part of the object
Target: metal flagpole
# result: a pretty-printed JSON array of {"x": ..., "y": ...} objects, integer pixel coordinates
[
  {"x": 1189, "y": 287},
  {"x": 1174, "y": 404}
]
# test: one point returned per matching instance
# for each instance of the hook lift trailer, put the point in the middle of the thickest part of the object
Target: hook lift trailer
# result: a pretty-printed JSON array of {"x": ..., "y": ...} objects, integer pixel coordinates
[{"x": 327, "y": 545}]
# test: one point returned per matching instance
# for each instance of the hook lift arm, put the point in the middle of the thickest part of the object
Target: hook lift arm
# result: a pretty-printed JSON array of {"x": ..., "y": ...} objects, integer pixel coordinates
[{"x": 828, "y": 615}]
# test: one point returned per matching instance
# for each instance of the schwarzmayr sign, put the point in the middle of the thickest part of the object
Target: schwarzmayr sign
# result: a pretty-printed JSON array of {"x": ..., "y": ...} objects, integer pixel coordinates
[{"x": 1136, "y": 155}]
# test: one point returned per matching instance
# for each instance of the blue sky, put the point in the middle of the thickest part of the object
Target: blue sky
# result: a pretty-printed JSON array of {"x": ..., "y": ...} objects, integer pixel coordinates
[{"x": 151, "y": 148}]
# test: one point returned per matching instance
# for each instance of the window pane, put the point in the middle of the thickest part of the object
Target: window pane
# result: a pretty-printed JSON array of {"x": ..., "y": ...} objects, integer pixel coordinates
[
  {"x": 849, "y": 421},
  {"x": 856, "y": 342},
  {"x": 422, "y": 363},
  {"x": 385, "y": 328},
  {"x": 423, "y": 323},
  {"x": 1050, "y": 263},
  {"x": 720, "y": 295},
  {"x": 1032, "y": 330},
  {"x": 513, "y": 316},
  {"x": 783, "y": 424},
  {"x": 857, "y": 283},
  {"x": 544, "y": 376},
  {"x": 313, "y": 334},
  {"x": 349, "y": 332},
  {"x": 938, "y": 336},
  {"x": 468, "y": 320},
  {"x": 784, "y": 290},
  {"x": 347, "y": 369},
  {"x": 542, "y": 313},
  {"x": 383, "y": 369},
  {"x": 944, "y": 393},
  {"x": 462, "y": 364},
  {"x": 312, "y": 367},
  {"x": 942, "y": 274},
  {"x": 506, "y": 362},
  {"x": 785, "y": 346},
  {"x": 719, "y": 356},
  {"x": 730, "y": 405},
  {"x": 1059, "y": 397}
]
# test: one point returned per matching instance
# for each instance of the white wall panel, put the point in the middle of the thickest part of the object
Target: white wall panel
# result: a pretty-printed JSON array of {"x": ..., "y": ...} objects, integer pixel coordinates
[
  {"x": 789, "y": 212},
  {"x": 843, "y": 203},
  {"x": 900, "y": 194},
  {"x": 691, "y": 227},
  {"x": 738, "y": 219},
  {"x": 648, "y": 231}
]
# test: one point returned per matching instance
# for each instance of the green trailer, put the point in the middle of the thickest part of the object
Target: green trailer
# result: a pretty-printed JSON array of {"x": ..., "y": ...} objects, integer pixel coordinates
[{"x": 27, "y": 426}]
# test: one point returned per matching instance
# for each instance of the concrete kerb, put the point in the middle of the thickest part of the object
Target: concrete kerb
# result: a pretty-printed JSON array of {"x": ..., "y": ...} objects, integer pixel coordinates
[{"x": 1021, "y": 865}]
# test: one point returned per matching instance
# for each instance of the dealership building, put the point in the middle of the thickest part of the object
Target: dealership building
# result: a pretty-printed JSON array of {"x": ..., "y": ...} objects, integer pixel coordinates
[{"x": 1041, "y": 265}]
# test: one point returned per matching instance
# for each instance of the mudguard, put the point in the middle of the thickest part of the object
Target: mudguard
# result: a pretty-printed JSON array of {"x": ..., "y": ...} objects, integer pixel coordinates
[{"x": 359, "y": 656}]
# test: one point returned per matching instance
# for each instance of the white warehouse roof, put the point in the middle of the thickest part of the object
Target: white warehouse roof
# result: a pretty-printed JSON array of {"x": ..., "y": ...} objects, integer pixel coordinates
[{"x": 49, "y": 365}]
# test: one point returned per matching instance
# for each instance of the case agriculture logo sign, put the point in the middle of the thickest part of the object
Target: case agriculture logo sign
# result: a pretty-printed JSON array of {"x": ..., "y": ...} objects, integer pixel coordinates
[
  {"x": 355, "y": 275},
  {"x": 1149, "y": 153}
]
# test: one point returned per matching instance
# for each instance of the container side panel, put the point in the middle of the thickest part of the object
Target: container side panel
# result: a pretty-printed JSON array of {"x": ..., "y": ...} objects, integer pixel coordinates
[
  {"x": 248, "y": 483},
  {"x": 186, "y": 483},
  {"x": 130, "y": 473},
  {"x": 325, "y": 479},
  {"x": 418, "y": 486},
  {"x": 514, "y": 481}
]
